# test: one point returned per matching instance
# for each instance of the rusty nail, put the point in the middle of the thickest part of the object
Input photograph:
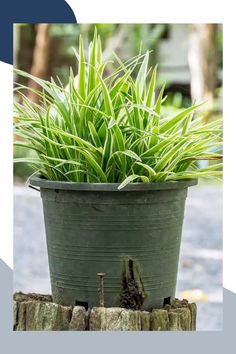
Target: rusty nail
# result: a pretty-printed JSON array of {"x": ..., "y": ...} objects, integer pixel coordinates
[{"x": 101, "y": 288}]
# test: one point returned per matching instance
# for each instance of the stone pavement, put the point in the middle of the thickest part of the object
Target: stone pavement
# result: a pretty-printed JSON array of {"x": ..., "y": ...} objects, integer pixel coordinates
[{"x": 200, "y": 270}]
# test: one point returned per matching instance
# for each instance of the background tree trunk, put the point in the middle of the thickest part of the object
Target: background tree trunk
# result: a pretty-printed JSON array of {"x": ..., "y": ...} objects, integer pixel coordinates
[
  {"x": 202, "y": 56},
  {"x": 41, "y": 58}
]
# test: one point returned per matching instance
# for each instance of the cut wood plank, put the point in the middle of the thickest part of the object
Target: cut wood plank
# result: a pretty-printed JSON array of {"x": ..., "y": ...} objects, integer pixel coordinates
[{"x": 35, "y": 312}]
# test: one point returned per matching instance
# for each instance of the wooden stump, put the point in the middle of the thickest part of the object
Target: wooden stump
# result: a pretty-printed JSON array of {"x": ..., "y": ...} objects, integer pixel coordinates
[{"x": 34, "y": 312}]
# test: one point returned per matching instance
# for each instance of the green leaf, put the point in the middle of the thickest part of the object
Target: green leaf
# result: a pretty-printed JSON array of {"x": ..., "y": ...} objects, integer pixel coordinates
[
  {"x": 132, "y": 178},
  {"x": 107, "y": 99},
  {"x": 82, "y": 70},
  {"x": 94, "y": 135},
  {"x": 141, "y": 77},
  {"x": 159, "y": 99},
  {"x": 149, "y": 169},
  {"x": 26, "y": 160},
  {"x": 131, "y": 154},
  {"x": 95, "y": 166},
  {"x": 158, "y": 147},
  {"x": 191, "y": 175},
  {"x": 178, "y": 118}
]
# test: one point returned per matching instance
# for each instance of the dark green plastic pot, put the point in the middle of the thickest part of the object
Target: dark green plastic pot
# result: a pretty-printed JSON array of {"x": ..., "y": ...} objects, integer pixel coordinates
[{"x": 132, "y": 235}]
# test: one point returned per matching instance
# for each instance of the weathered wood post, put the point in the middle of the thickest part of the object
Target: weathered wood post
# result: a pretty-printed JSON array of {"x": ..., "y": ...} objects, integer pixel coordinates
[{"x": 34, "y": 312}]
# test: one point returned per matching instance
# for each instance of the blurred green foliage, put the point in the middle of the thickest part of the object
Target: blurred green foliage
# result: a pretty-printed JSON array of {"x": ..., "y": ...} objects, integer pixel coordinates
[{"x": 22, "y": 170}]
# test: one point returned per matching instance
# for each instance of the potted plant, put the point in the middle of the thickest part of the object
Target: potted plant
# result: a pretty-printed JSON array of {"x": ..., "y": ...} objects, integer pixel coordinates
[{"x": 113, "y": 172}]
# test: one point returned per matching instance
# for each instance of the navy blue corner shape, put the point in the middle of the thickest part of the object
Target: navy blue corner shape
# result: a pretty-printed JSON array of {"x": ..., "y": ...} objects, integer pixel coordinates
[{"x": 29, "y": 11}]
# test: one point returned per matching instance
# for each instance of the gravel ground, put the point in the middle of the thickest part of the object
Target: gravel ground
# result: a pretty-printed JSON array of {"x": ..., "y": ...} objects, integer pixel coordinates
[{"x": 200, "y": 270}]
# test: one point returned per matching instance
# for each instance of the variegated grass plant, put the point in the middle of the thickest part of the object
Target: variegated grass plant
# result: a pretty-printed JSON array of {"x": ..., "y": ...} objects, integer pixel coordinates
[{"x": 104, "y": 129}]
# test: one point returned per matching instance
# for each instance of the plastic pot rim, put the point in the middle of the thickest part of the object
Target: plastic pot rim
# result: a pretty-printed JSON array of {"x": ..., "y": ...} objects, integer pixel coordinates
[{"x": 43, "y": 183}]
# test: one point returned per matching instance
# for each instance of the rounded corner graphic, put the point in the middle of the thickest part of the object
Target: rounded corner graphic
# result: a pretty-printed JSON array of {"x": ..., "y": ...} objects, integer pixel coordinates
[{"x": 26, "y": 11}]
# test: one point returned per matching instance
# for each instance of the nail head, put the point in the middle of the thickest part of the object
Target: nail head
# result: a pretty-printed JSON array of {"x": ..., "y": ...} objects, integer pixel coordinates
[{"x": 100, "y": 274}]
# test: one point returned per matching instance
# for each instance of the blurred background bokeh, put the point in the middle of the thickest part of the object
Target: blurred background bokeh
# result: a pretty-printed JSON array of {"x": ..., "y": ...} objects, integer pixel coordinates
[{"x": 189, "y": 58}]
